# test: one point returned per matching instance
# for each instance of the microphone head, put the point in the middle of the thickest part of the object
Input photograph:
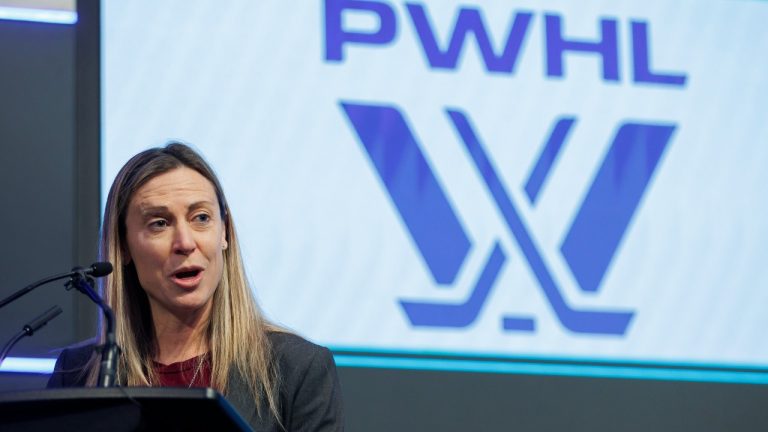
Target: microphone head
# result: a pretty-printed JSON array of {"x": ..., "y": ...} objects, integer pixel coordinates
[{"x": 99, "y": 269}]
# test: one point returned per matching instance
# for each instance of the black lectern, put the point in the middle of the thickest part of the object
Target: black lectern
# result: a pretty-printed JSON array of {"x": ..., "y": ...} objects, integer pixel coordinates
[{"x": 118, "y": 409}]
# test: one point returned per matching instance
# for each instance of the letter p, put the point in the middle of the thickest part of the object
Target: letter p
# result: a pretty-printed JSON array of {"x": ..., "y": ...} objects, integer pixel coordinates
[{"x": 336, "y": 36}]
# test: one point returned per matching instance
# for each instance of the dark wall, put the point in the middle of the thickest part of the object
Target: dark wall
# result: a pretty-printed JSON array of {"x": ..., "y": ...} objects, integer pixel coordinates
[
  {"x": 38, "y": 170},
  {"x": 49, "y": 168},
  {"x": 389, "y": 400},
  {"x": 49, "y": 171}
]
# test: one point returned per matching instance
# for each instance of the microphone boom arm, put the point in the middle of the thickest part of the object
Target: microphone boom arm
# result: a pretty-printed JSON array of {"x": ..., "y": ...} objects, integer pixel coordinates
[
  {"x": 97, "y": 269},
  {"x": 30, "y": 329},
  {"x": 81, "y": 281}
]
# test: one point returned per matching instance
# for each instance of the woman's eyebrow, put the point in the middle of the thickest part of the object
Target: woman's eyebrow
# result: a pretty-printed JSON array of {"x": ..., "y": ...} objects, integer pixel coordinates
[
  {"x": 153, "y": 210},
  {"x": 203, "y": 203},
  {"x": 160, "y": 210}
]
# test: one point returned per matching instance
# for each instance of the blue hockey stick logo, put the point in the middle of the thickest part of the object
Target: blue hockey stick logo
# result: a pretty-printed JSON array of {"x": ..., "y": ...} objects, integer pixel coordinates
[{"x": 590, "y": 244}]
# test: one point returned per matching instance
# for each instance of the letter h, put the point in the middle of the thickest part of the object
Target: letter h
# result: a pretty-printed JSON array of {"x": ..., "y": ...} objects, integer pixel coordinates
[{"x": 606, "y": 47}]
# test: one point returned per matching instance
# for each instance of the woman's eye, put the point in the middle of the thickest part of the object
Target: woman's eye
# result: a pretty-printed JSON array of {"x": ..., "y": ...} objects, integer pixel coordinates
[
  {"x": 159, "y": 223},
  {"x": 203, "y": 218}
]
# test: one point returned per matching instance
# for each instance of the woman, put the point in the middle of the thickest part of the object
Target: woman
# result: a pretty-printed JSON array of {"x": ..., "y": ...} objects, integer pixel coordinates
[{"x": 185, "y": 315}]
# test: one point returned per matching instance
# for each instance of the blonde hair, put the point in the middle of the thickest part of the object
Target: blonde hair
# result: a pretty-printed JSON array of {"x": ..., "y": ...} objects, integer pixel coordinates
[{"x": 236, "y": 332}]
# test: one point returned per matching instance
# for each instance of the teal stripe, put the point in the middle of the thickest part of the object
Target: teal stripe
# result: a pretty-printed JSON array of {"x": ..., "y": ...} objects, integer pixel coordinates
[
  {"x": 532, "y": 358},
  {"x": 602, "y": 371},
  {"x": 28, "y": 365}
]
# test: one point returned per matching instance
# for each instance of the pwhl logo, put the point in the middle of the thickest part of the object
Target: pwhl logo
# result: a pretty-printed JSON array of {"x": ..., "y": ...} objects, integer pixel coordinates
[
  {"x": 590, "y": 242},
  {"x": 602, "y": 219}
]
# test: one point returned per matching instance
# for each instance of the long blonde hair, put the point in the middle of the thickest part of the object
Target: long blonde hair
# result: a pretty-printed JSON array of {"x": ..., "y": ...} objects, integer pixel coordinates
[{"x": 236, "y": 332}]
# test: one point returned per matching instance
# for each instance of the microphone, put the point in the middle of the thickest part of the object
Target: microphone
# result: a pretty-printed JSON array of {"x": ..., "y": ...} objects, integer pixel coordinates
[
  {"x": 81, "y": 279},
  {"x": 97, "y": 269},
  {"x": 29, "y": 329},
  {"x": 37, "y": 323}
]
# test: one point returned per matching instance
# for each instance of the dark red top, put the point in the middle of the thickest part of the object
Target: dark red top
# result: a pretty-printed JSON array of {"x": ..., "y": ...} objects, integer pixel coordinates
[{"x": 181, "y": 374}]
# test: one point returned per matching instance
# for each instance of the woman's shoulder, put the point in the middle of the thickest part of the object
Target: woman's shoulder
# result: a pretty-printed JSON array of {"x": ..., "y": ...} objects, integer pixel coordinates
[
  {"x": 291, "y": 345},
  {"x": 310, "y": 391},
  {"x": 80, "y": 352},
  {"x": 71, "y": 364},
  {"x": 295, "y": 355}
]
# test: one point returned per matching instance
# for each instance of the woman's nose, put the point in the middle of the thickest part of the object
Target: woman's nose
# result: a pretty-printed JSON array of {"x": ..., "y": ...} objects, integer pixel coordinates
[{"x": 183, "y": 240}]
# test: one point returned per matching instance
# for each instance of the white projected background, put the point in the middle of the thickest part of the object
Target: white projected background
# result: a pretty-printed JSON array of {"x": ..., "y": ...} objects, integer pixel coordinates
[{"x": 327, "y": 250}]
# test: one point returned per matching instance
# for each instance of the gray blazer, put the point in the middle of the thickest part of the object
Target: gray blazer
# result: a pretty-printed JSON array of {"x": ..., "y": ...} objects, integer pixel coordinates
[{"x": 309, "y": 393}]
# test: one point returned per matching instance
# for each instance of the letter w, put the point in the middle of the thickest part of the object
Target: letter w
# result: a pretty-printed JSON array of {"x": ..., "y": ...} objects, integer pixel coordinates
[{"x": 469, "y": 20}]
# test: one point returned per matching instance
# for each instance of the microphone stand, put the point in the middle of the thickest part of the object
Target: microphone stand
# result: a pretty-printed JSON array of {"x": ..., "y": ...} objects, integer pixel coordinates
[
  {"x": 29, "y": 329},
  {"x": 97, "y": 269},
  {"x": 81, "y": 281},
  {"x": 32, "y": 286}
]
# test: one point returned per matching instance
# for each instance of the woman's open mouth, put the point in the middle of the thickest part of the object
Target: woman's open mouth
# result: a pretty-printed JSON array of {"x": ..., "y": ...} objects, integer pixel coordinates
[{"x": 187, "y": 278}]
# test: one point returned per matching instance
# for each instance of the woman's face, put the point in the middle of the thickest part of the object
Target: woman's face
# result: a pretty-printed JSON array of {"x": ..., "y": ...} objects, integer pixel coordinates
[{"x": 176, "y": 238}]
